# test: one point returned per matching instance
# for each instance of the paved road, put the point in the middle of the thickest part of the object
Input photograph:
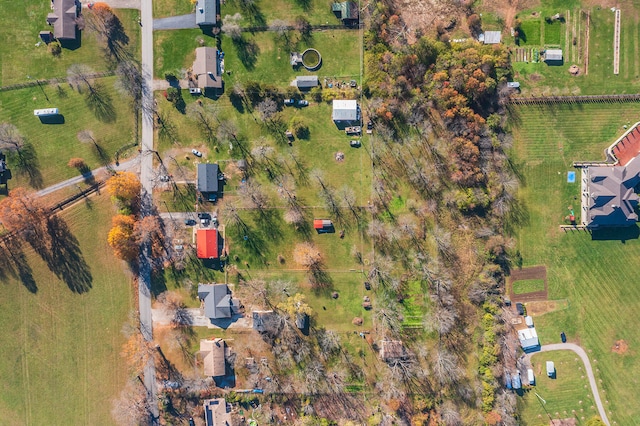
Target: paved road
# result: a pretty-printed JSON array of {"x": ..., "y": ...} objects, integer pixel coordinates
[
  {"x": 180, "y": 22},
  {"x": 125, "y": 165},
  {"x": 587, "y": 364},
  {"x": 146, "y": 202}
]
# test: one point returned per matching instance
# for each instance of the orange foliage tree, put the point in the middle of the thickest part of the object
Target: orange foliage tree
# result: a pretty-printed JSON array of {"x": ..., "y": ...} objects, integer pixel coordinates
[
  {"x": 121, "y": 237},
  {"x": 124, "y": 186},
  {"x": 21, "y": 212},
  {"x": 77, "y": 163}
]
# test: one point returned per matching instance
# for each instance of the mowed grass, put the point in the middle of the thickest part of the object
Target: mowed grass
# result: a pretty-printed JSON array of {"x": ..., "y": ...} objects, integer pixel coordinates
[
  {"x": 553, "y": 32},
  {"x": 264, "y": 12},
  {"x": 61, "y": 360},
  {"x": 165, "y": 8},
  {"x": 55, "y": 144},
  {"x": 530, "y": 32},
  {"x": 528, "y": 286},
  {"x": 596, "y": 275},
  {"x": 20, "y": 57},
  {"x": 569, "y": 391}
]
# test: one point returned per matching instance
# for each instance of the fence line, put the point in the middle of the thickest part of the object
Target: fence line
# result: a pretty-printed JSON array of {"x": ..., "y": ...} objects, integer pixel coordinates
[
  {"x": 37, "y": 82},
  {"x": 579, "y": 99}
]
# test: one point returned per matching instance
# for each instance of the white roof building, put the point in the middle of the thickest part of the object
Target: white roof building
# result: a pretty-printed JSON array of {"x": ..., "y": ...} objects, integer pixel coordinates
[
  {"x": 553, "y": 55},
  {"x": 492, "y": 37},
  {"x": 528, "y": 338},
  {"x": 345, "y": 110}
]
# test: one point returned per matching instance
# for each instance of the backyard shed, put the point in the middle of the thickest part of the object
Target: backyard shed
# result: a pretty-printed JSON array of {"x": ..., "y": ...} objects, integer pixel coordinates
[
  {"x": 345, "y": 110},
  {"x": 528, "y": 321},
  {"x": 206, "y": 13},
  {"x": 323, "y": 225},
  {"x": 531, "y": 377},
  {"x": 553, "y": 55},
  {"x": 346, "y": 11},
  {"x": 492, "y": 37},
  {"x": 306, "y": 81}
]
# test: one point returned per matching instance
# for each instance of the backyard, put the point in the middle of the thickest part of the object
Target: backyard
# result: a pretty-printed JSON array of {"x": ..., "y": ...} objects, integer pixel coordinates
[
  {"x": 61, "y": 360},
  {"x": 593, "y": 271}
]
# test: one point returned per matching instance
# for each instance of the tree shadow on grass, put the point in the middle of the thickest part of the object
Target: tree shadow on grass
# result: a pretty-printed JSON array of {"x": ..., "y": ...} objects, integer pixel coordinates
[
  {"x": 14, "y": 263},
  {"x": 253, "y": 14},
  {"x": 26, "y": 164},
  {"x": 99, "y": 101},
  {"x": 248, "y": 51}
]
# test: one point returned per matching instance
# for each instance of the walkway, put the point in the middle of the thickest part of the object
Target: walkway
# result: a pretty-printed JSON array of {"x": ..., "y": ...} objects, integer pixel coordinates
[
  {"x": 587, "y": 364},
  {"x": 181, "y": 22}
]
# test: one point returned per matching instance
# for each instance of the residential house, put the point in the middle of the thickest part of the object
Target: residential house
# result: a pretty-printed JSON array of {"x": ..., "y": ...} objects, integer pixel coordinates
[
  {"x": 216, "y": 412},
  {"x": 346, "y": 11},
  {"x": 63, "y": 19},
  {"x": 392, "y": 350},
  {"x": 345, "y": 111},
  {"x": 218, "y": 302},
  {"x": 206, "y": 13},
  {"x": 306, "y": 82},
  {"x": 206, "y": 68},
  {"x": 213, "y": 354},
  {"x": 208, "y": 182},
  {"x": 323, "y": 226},
  {"x": 208, "y": 243},
  {"x": 528, "y": 338}
]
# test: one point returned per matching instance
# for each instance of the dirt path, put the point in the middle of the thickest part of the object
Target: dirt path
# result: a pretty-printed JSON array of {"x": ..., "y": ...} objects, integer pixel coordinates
[{"x": 587, "y": 364}]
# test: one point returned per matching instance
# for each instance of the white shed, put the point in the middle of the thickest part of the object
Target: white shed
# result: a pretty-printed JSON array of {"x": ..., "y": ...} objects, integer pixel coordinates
[
  {"x": 529, "y": 321},
  {"x": 553, "y": 55},
  {"x": 492, "y": 37},
  {"x": 345, "y": 110},
  {"x": 531, "y": 377}
]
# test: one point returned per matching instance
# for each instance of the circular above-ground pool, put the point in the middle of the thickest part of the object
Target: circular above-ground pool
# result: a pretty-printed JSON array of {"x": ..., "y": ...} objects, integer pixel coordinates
[{"x": 311, "y": 59}]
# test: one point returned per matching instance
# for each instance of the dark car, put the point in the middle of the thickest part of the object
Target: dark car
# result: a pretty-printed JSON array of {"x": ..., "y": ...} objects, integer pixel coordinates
[
  {"x": 191, "y": 422},
  {"x": 520, "y": 308},
  {"x": 355, "y": 143},
  {"x": 563, "y": 337},
  {"x": 189, "y": 222}
]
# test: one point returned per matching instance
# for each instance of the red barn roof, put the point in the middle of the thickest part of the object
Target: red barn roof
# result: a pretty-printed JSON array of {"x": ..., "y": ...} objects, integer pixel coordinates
[
  {"x": 322, "y": 223},
  {"x": 207, "y": 244}
]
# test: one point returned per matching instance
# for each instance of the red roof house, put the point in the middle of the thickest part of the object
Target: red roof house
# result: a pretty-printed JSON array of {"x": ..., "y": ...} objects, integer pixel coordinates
[
  {"x": 207, "y": 244},
  {"x": 322, "y": 224}
]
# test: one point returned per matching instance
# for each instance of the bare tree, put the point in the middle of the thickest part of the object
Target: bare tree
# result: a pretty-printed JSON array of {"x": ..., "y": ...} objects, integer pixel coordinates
[
  {"x": 294, "y": 216},
  {"x": 267, "y": 109},
  {"x": 253, "y": 196},
  {"x": 80, "y": 77},
  {"x": 445, "y": 366},
  {"x": 131, "y": 406},
  {"x": 280, "y": 27},
  {"x": 231, "y": 26},
  {"x": 130, "y": 82},
  {"x": 205, "y": 116},
  {"x": 10, "y": 138},
  {"x": 328, "y": 342}
]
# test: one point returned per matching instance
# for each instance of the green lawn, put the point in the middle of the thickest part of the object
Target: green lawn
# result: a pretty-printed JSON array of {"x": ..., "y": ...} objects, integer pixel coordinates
[
  {"x": 528, "y": 286},
  {"x": 165, "y": 8},
  {"x": 530, "y": 32},
  {"x": 553, "y": 32},
  {"x": 21, "y": 57},
  {"x": 595, "y": 275},
  {"x": 263, "y": 12},
  {"x": 61, "y": 360},
  {"x": 569, "y": 391},
  {"x": 55, "y": 144}
]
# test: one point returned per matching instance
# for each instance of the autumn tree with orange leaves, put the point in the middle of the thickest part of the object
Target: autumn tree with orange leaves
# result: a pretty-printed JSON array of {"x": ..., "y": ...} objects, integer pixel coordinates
[
  {"x": 22, "y": 213},
  {"x": 121, "y": 237},
  {"x": 124, "y": 187}
]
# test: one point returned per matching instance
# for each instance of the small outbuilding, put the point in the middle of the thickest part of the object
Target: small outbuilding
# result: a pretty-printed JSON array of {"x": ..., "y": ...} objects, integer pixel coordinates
[
  {"x": 305, "y": 82},
  {"x": 551, "y": 369},
  {"x": 323, "y": 226},
  {"x": 492, "y": 37},
  {"x": 213, "y": 354},
  {"x": 513, "y": 84},
  {"x": 531, "y": 377},
  {"x": 266, "y": 322},
  {"x": 553, "y": 55},
  {"x": 216, "y": 412},
  {"x": 528, "y": 338},
  {"x": 528, "y": 320},
  {"x": 346, "y": 11}
]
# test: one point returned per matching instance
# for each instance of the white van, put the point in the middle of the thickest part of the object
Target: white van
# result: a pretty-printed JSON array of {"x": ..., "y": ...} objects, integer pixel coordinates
[{"x": 531, "y": 377}]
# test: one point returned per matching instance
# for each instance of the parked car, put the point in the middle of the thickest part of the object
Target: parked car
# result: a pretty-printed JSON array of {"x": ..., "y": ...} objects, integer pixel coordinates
[
  {"x": 355, "y": 143},
  {"x": 563, "y": 337},
  {"x": 520, "y": 308},
  {"x": 289, "y": 102},
  {"x": 196, "y": 153},
  {"x": 303, "y": 103},
  {"x": 189, "y": 222},
  {"x": 195, "y": 91}
]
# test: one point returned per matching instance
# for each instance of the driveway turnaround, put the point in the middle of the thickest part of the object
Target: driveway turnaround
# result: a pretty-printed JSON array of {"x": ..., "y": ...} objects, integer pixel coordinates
[{"x": 587, "y": 364}]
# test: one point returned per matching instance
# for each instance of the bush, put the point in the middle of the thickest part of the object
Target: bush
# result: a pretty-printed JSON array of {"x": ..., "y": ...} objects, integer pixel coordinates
[{"x": 55, "y": 48}]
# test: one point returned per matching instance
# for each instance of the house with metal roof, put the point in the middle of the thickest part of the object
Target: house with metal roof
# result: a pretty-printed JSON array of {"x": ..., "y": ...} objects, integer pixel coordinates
[
  {"x": 208, "y": 243},
  {"x": 213, "y": 353},
  {"x": 528, "y": 338},
  {"x": 218, "y": 302},
  {"x": 553, "y": 55},
  {"x": 208, "y": 183},
  {"x": 304, "y": 82},
  {"x": 206, "y": 12},
  {"x": 492, "y": 37},
  {"x": 206, "y": 68},
  {"x": 345, "y": 111},
  {"x": 63, "y": 19}
]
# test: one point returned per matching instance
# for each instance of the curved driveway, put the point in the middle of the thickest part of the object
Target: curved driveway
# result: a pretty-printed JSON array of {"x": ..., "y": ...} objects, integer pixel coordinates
[{"x": 587, "y": 364}]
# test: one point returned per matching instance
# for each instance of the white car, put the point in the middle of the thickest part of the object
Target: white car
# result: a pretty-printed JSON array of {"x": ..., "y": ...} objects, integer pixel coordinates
[{"x": 196, "y": 153}]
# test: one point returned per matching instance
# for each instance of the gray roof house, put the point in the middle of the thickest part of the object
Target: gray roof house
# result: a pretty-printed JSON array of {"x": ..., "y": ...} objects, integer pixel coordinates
[
  {"x": 306, "y": 81},
  {"x": 208, "y": 183},
  {"x": 206, "y": 68},
  {"x": 206, "y": 13},
  {"x": 63, "y": 19},
  {"x": 609, "y": 198},
  {"x": 218, "y": 303},
  {"x": 345, "y": 110},
  {"x": 216, "y": 412}
]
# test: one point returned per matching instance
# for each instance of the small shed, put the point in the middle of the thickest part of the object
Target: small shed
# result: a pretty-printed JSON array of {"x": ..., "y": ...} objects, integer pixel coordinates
[
  {"x": 529, "y": 321},
  {"x": 513, "y": 84},
  {"x": 553, "y": 55},
  {"x": 323, "y": 226},
  {"x": 531, "y": 377},
  {"x": 304, "y": 82},
  {"x": 516, "y": 381},
  {"x": 551, "y": 369},
  {"x": 346, "y": 11},
  {"x": 492, "y": 37}
]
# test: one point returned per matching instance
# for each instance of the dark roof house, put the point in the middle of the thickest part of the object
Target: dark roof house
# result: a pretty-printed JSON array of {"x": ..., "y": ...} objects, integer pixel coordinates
[
  {"x": 206, "y": 13},
  {"x": 206, "y": 68},
  {"x": 63, "y": 19},
  {"x": 208, "y": 182},
  {"x": 218, "y": 302},
  {"x": 216, "y": 412},
  {"x": 213, "y": 354},
  {"x": 346, "y": 11},
  {"x": 266, "y": 322}
]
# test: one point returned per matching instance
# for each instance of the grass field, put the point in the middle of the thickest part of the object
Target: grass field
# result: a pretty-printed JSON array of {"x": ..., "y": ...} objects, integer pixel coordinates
[
  {"x": 61, "y": 359},
  {"x": 530, "y": 32},
  {"x": 569, "y": 391},
  {"x": 595, "y": 275},
  {"x": 20, "y": 57},
  {"x": 528, "y": 286},
  {"x": 165, "y": 8},
  {"x": 55, "y": 144},
  {"x": 553, "y": 32}
]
